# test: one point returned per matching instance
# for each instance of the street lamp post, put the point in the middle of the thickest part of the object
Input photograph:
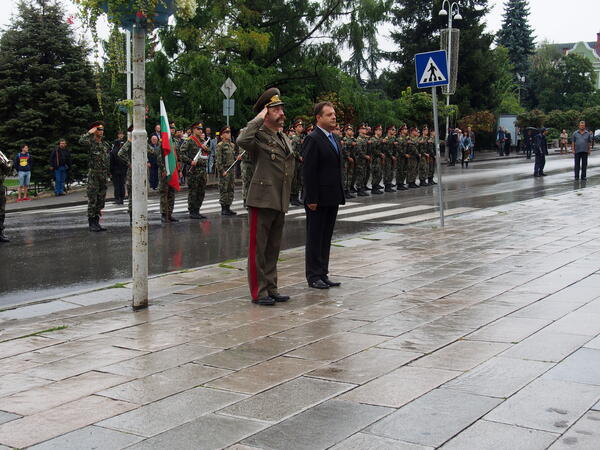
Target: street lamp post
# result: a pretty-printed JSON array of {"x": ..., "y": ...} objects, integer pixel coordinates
[{"x": 452, "y": 13}]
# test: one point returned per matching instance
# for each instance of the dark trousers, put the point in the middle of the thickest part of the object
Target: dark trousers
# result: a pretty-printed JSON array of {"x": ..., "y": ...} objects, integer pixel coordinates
[
  {"x": 319, "y": 230},
  {"x": 453, "y": 155},
  {"x": 540, "y": 162},
  {"x": 581, "y": 161},
  {"x": 153, "y": 175},
  {"x": 266, "y": 227},
  {"x": 118, "y": 180}
]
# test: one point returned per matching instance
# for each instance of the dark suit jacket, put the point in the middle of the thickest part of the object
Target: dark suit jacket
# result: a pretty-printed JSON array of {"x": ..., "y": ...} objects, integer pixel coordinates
[{"x": 322, "y": 170}]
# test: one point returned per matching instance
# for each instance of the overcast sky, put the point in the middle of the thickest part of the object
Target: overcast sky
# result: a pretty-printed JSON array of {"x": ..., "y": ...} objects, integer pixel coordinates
[{"x": 554, "y": 20}]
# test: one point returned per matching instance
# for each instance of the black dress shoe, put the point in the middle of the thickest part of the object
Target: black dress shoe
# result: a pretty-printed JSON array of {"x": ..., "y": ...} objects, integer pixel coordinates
[
  {"x": 265, "y": 301},
  {"x": 376, "y": 192},
  {"x": 279, "y": 297},
  {"x": 318, "y": 284},
  {"x": 330, "y": 283}
]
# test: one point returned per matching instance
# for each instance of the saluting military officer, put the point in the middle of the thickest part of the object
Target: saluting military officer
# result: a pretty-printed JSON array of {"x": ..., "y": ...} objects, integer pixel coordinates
[
  {"x": 297, "y": 138},
  {"x": 5, "y": 170},
  {"x": 268, "y": 194},
  {"x": 98, "y": 161},
  {"x": 225, "y": 156},
  {"x": 377, "y": 158},
  {"x": 196, "y": 177}
]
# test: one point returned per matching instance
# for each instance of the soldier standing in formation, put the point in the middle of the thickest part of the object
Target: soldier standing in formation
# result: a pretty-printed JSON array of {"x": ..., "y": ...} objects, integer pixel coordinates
[
  {"x": 402, "y": 169},
  {"x": 297, "y": 139},
  {"x": 432, "y": 157},
  {"x": 268, "y": 194},
  {"x": 412, "y": 157},
  {"x": 166, "y": 191},
  {"x": 348, "y": 145},
  {"x": 5, "y": 170},
  {"x": 196, "y": 177},
  {"x": 390, "y": 158},
  {"x": 423, "y": 156},
  {"x": 98, "y": 150},
  {"x": 362, "y": 160},
  {"x": 377, "y": 159},
  {"x": 225, "y": 156}
]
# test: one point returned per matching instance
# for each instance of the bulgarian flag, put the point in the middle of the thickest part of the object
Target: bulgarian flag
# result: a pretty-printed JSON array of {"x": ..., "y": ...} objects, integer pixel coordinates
[{"x": 168, "y": 149}]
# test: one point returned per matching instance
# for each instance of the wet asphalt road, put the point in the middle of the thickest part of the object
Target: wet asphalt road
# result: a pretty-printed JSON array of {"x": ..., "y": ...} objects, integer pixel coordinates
[{"x": 53, "y": 253}]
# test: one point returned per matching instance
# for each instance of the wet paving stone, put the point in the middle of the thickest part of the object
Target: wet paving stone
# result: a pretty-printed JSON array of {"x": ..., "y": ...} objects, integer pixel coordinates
[
  {"x": 400, "y": 386},
  {"x": 425, "y": 339},
  {"x": 7, "y": 417},
  {"x": 286, "y": 399},
  {"x": 578, "y": 323},
  {"x": 159, "y": 385},
  {"x": 499, "y": 377},
  {"x": 17, "y": 382},
  {"x": 486, "y": 435},
  {"x": 549, "y": 405},
  {"x": 364, "y": 366},
  {"x": 91, "y": 437},
  {"x": 319, "y": 427},
  {"x": 434, "y": 418},
  {"x": 583, "y": 435},
  {"x": 509, "y": 329},
  {"x": 583, "y": 366},
  {"x": 546, "y": 346},
  {"x": 208, "y": 432},
  {"x": 461, "y": 355},
  {"x": 364, "y": 441},
  {"x": 260, "y": 377},
  {"x": 170, "y": 412},
  {"x": 337, "y": 346}
]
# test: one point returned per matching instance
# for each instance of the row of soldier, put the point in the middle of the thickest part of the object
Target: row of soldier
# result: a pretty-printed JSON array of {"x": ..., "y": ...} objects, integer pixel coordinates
[{"x": 404, "y": 157}]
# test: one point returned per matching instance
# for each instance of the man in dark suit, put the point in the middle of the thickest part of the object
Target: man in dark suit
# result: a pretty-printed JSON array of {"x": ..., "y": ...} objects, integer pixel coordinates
[
  {"x": 323, "y": 193},
  {"x": 268, "y": 194}
]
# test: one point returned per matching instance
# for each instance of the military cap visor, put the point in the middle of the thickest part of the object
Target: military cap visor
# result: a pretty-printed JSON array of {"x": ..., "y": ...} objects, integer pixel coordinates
[
  {"x": 269, "y": 99},
  {"x": 97, "y": 124}
]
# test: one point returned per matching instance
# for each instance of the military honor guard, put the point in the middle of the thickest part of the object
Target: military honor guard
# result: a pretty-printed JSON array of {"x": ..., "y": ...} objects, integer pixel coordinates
[
  {"x": 98, "y": 162},
  {"x": 195, "y": 152},
  {"x": 297, "y": 138},
  {"x": 377, "y": 160},
  {"x": 389, "y": 149},
  {"x": 348, "y": 146},
  {"x": 268, "y": 194},
  {"x": 423, "y": 156},
  {"x": 362, "y": 160},
  {"x": 412, "y": 157},
  {"x": 402, "y": 163},
  {"x": 225, "y": 157}
]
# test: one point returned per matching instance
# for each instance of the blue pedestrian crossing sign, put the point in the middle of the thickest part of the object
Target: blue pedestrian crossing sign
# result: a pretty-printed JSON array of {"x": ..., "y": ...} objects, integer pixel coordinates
[{"x": 432, "y": 69}]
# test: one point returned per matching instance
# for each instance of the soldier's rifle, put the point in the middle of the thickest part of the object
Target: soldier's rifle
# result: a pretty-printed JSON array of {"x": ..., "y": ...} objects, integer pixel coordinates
[{"x": 236, "y": 160}]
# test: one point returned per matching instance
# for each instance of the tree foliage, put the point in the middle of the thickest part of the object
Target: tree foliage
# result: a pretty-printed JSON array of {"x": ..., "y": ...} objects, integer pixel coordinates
[
  {"x": 516, "y": 34},
  {"x": 46, "y": 86}
]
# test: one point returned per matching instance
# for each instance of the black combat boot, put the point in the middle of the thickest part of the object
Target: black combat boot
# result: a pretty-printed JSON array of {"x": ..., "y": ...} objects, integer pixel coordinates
[
  {"x": 423, "y": 182},
  {"x": 401, "y": 187},
  {"x": 196, "y": 215},
  {"x": 231, "y": 213},
  {"x": 431, "y": 182},
  {"x": 172, "y": 219},
  {"x": 362, "y": 193},
  {"x": 376, "y": 192},
  {"x": 100, "y": 228},
  {"x": 349, "y": 195},
  {"x": 3, "y": 238},
  {"x": 94, "y": 226},
  {"x": 412, "y": 185},
  {"x": 389, "y": 188},
  {"x": 164, "y": 218}
]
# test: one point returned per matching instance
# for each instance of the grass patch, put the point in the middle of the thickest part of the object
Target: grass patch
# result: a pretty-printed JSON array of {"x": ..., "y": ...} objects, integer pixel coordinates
[
  {"x": 117, "y": 286},
  {"x": 337, "y": 245},
  {"x": 227, "y": 266},
  {"x": 49, "y": 330},
  {"x": 10, "y": 183}
]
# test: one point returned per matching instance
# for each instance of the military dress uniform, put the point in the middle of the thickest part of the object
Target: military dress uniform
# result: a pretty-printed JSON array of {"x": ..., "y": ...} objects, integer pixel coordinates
[
  {"x": 5, "y": 170},
  {"x": 225, "y": 156},
  {"x": 98, "y": 162},
  {"x": 267, "y": 200},
  {"x": 196, "y": 176}
]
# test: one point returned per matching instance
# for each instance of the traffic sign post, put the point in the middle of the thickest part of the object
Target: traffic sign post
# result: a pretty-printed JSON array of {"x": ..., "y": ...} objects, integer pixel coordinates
[
  {"x": 228, "y": 88},
  {"x": 432, "y": 71}
]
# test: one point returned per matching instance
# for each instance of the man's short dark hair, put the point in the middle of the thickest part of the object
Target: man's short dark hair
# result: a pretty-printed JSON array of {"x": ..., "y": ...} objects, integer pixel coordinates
[
  {"x": 319, "y": 107},
  {"x": 62, "y": 140}
]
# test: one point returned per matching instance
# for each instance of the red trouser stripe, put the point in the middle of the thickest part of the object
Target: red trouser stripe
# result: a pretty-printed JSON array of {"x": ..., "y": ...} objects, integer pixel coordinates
[{"x": 252, "y": 253}]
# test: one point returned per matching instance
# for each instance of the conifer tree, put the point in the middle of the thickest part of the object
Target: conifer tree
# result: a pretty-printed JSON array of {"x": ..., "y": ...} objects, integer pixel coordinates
[{"x": 516, "y": 35}]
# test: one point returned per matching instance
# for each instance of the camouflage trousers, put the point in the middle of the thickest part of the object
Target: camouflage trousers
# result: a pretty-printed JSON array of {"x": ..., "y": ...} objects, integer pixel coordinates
[
  {"x": 196, "y": 187},
  {"x": 431, "y": 170},
  {"x": 167, "y": 196},
  {"x": 401, "y": 170},
  {"x": 423, "y": 167},
  {"x": 247, "y": 172},
  {"x": 388, "y": 170},
  {"x": 96, "y": 192},
  {"x": 2, "y": 206},
  {"x": 367, "y": 173},
  {"x": 359, "y": 174},
  {"x": 376, "y": 171},
  {"x": 226, "y": 186},
  {"x": 297, "y": 181},
  {"x": 412, "y": 168},
  {"x": 349, "y": 174}
]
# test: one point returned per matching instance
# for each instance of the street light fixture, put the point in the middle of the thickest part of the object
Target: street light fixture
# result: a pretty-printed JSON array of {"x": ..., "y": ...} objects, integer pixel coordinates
[{"x": 453, "y": 12}]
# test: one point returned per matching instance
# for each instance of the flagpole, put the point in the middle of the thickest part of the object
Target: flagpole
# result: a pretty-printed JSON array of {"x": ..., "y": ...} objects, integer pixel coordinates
[{"x": 236, "y": 160}]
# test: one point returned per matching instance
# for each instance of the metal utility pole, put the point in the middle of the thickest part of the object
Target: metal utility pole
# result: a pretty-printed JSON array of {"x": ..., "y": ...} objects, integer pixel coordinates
[
  {"x": 139, "y": 174},
  {"x": 128, "y": 72},
  {"x": 438, "y": 162},
  {"x": 453, "y": 12}
]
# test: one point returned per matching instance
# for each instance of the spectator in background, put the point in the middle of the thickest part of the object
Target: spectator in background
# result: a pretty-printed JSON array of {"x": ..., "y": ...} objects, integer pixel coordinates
[
  {"x": 562, "y": 142},
  {"x": 466, "y": 147},
  {"x": 60, "y": 161},
  {"x": 540, "y": 149},
  {"x": 156, "y": 132},
  {"x": 581, "y": 146},
  {"x": 507, "y": 141},
  {"x": 118, "y": 169},
  {"x": 471, "y": 135},
  {"x": 529, "y": 143},
  {"x": 211, "y": 142},
  {"x": 453, "y": 144},
  {"x": 22, "y": 163},
  {"x": 500, "y": 138},
  {"x": 152, "y": 159}
]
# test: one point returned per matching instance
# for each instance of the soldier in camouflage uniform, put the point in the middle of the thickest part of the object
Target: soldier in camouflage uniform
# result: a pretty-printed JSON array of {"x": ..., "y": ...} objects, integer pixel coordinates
[
  {"x": 297, "y": 139},
  {"x": 5, "y": 170},
  {"x": 348, "y": 145},
  {"x": 362, "y": 159},
  {"x": 196, "y": 178},
  {"x": 412, "y": 157},
  {"x": 389, "y": 151},
  {"x": 125, "y": 155},
  {"x": 377, "y": 159},
  {"x": 98, "y": 160},
  {"x": 423, "y": 156},
  {"x": 432, "y": 157},
  {"x": 225, "y": 156},
  {"x": 166, "y": 191},
  {"x": 402, "y": 165}
]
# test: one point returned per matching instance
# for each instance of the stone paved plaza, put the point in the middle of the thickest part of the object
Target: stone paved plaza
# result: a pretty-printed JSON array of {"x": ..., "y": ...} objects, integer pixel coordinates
[{"x": 484, "y": 335}]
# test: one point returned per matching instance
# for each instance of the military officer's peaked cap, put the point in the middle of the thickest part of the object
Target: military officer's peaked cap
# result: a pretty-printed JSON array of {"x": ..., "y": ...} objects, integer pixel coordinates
[
  {"x": 297, "y": 122},
  {"x": 197, "y": 125},
  {"x": 225, "y": 130},
  {"x": 270, "y": 98},
  {"x": 378, "y": 127},
  {"x": 348, "y": 127},
  {"x": 98, "y": 123}
]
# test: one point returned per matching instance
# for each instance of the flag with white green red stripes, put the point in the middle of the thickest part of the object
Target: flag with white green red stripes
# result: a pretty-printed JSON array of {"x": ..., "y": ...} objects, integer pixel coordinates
[{"x": 168, "y": 149}]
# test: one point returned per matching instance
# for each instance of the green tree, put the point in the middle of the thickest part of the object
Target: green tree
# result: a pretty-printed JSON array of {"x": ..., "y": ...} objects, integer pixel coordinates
[
  {"x": 46, "y": 86},
  {"x": 516, "y": 34}
]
